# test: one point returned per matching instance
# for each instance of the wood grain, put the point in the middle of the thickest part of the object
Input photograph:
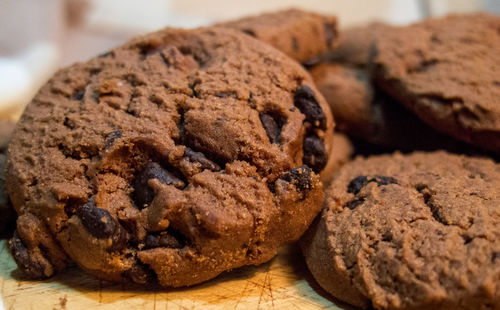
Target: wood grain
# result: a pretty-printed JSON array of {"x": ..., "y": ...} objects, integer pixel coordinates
[{"x": 282, "y": 283}]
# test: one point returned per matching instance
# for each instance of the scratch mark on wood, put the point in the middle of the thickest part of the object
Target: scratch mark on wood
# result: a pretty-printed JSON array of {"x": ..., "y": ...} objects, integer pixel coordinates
[
  {"x": 100, "y": 291},
  {"x": 242, "y": 294},
  {"x": 154, "y": 301}
]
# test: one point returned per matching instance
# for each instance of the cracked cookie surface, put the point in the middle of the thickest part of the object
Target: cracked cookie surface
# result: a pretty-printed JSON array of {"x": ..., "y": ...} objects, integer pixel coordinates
[
  {"x": 419, "y": 231},
  {"x": 447, "y": 72},
  {"x": 173, "y": 158}
]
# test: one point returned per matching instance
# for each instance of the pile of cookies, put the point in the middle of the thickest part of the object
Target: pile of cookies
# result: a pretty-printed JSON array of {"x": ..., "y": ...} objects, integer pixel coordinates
[{"x": 186, "y": 153}]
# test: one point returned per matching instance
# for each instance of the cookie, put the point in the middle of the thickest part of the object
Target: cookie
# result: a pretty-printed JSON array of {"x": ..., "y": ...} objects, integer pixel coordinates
[
  {"x": 447, "y": 72},
  {"x": 418, "y": 231},
  {"x": 342, "y": 153},
  {"x": 6, "y": 129},
  {"x": 299, "y": 34},
  {"x": 356, "y": 46},
  {"x": 365, "y": 112},
  {"x": 173, "y": 158},
  {"x": 7, "y": 214}
]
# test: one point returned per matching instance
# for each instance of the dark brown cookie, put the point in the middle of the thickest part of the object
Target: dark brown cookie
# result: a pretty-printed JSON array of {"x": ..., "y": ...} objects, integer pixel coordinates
[
  {"x": 447, "y": 71},
  {"x": 7, "y": 214},
  {"x": 419, "y": 231},
  {"x": 180, "y": 155},
  {"x": 300, "y": 34},
  {"x": 363, "y": 111},
  {"x": 356, "y": 45}
]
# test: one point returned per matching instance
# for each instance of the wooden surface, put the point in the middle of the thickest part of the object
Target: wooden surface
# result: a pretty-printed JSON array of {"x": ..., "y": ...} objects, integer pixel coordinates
[{"x": 282, "y": 283}]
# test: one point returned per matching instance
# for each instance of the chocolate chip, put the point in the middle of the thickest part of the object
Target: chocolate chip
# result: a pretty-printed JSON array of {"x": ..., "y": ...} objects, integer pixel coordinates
[
  {"x": 495, "y": 257},
  {"x": 300, "y": 177},
  {"x": 31, "y": 268},
  {"x": 149, "y": 49},
  {"x": 250, "y": 32},
  {"x": 169, "y": 241},
  {"x": 272, "y": 123},
  {"x": 78, "y": 95},
  {"x": 198, "y": 157},
  {"x": 330, "y": 33},
  {"x": 69, "y": 123},
  {"x": 315, "y": 155},
  {"x": 151, "y": 242},
  {"x": 353, "y": 204},
  {"x": 112, "y": 136},
  {"x": 98, "y": 222},
  {"x": 143, "y": 194},
  {"x": 360, "y": 181},
  {"x": 305, "y": 100},
  {"x": 357, "y": 184},
  {"x": 170, "y": 238},
  {"x": 384, "y": 180},
  {"x": 140, "y": 273}
]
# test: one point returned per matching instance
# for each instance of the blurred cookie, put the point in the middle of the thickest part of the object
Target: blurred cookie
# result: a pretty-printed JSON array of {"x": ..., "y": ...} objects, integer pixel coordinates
[
  {"x": 7, "y": 214},
  {"x": 447, "y": 71},
  {"x": 6, "y": 129},
  {"x": 170, "y": 159},
  {"x": 419, "y": 231},
  {"x": 364, "y": 112},
  {"x": 356, "y": 45},
  {"x": 300, "y": 34}
]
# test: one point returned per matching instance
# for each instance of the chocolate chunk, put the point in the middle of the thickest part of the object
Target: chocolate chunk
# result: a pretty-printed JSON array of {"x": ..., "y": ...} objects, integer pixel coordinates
[
  {"x": 140, "y": 273},
  {"x": 330, "y": 33},
  {"x": 384, "y": 180},
  {"x": 305, "y": 100},
  {"x": 357, "y": 184},
  {"x": 151, "y": 242},
  {"x": 170, "y": 238},
  {"x": 315, "y": 155},
  {"x": 495, "y": 257},
  {"x": 360, "y": 181},
  {"x": 250, "y": 32},
  {"x": 353, "y": 204},
  {"x": 98, "y": 222},
  {"x": 200, "y": 158},
  {"x": 300, "y": 177},
  {"x": 111, "y": 137},
  {"x": 69, "y": 123},
  {"x": 143, "y": 194},
  {"x": 272, "y": 123},
  {"x": 78, "y": 95},
  {"x": 31, "y": 268}
]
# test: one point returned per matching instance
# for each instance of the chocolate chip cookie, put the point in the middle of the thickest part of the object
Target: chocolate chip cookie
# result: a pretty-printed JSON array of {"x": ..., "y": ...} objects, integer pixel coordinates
[
  {"x": 419, "y": 231},
  {"x": 365, "y": 112},
  {"x": 447, "y": 71},
  {"x": 173, "y": 158},
  {"x": 300, "y": 34},
  {"x": 7, "y": 214}
]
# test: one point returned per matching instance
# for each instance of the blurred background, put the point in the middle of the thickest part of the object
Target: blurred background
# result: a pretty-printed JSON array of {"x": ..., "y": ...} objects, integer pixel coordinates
[{"x": 39, "y": 36}]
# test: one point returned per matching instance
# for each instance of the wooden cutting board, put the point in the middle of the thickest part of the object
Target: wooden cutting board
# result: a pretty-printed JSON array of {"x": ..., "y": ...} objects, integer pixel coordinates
[{"x": 282, "y": 283}]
